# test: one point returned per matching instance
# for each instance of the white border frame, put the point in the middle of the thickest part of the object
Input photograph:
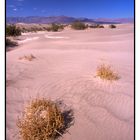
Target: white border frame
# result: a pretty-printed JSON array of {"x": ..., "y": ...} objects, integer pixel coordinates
[
  {"x": 2, "y": 70},
  {"x": 137, "y": 63}
]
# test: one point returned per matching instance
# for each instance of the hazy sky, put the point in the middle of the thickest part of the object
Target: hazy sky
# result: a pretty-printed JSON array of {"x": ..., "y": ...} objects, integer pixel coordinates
[{"x": 75, "y": 8}]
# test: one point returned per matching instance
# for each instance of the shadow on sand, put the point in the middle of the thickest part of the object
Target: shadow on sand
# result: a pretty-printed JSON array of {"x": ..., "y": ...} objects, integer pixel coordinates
[{"x": 68, "y": 115}]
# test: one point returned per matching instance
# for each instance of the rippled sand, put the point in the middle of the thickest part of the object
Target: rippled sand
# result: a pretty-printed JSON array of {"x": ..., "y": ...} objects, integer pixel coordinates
[{"x": 65, "y": 69}]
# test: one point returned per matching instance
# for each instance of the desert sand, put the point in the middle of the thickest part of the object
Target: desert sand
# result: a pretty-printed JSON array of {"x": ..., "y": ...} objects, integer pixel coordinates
[{"x": 65, "y": 69}]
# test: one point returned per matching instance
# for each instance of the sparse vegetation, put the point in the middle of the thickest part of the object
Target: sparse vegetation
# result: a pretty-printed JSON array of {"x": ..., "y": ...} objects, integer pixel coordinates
[
  {"x": 92, "y": 26},
  {"x": 31, "y": 29},
  {"x": 10, "y": 43},
  {"x": 12, "y": 30},
  {"x": 105, "y": 72},
  {"x": 16, "y": 30},
  {"x": 44, "y": 120},
  {"x": 48, "y": 29},
  {"x": 112, "y": 26},
  {"x": 44, "y": 28},
  {"x": 24, "y": 30},
  {"x": 28, "y": 57},
  {"x": 101, "y": 26},
  {"x": 55, "y": 27},
  {"x": 78, "y": 25},
  {"x": 96, "y": 26}
]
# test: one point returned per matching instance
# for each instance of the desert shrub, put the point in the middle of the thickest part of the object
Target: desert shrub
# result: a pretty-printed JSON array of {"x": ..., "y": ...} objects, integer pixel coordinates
[
  {"x": 78, "y": 25},
  {"x": 10, "y": 43},
  {"x": 87, "y": 25},
  {"x": 55, "y": 27},
  {"x": 61, "y": 27},
  {"x": 112, "y": 26},
  {"x": 28, "y": 57},
  {"x": 33, "y": 29},
  {"x": 92, "y": 26},
  {"x": 23, "y": 30},
  {"x": 44, "y": 28},
  {"x": 12, "y": 30},
  {"x": 42, "y": 120},
  {"x": 96, "y": 26},
  {"x": 105, "y": 72},
  {"x": 101, "y": 26},
  {"x": 65, "y": 25},
  {"x": 48, "y": 29},
  {"x": 40, "y": 29}
]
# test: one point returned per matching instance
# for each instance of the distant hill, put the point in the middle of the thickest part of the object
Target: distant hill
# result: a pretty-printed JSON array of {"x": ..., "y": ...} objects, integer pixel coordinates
[{"x": 64, "y": 19}]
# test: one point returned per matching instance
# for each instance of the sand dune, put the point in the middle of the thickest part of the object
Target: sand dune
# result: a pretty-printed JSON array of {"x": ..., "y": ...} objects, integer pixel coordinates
[
  {"x": 28, "y": 39},
  {"x": 65, "y": 69}
]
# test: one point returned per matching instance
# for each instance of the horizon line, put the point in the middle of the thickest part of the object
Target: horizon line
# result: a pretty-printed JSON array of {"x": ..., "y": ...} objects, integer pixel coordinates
[{"x": 72, "y": 17}]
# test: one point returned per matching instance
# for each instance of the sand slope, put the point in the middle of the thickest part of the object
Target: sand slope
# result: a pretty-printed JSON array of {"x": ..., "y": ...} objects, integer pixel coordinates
[{"x": 65, "y": 69}]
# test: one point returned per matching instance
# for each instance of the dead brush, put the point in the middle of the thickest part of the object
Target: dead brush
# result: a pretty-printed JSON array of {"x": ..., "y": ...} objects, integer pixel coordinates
[
  {"x": 41, "y": 120},
  {"x": 28, "y": 57},
  {"x": 105, "y": 72}
]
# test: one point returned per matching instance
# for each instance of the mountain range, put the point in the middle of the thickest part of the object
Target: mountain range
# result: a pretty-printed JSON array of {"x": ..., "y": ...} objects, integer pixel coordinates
[{"x": 66, "y": 20}]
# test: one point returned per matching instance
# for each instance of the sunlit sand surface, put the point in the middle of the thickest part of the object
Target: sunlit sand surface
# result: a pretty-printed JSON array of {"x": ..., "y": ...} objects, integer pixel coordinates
[{"x": 64, "y": 68}]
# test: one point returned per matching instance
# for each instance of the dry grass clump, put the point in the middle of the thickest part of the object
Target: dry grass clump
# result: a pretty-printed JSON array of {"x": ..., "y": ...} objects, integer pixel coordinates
[
  {"x": 12, "y": 30},
  {"x": 96, "y": 26},
  {"x": 42, "y": 120},
  {"x": 55, "y": 27},
  {"x": 78, "y": 25},
  {"x": 10, "y": 43},
  {"x": 112, "y": 26},
  {"x": 28, "y": 57},
  {"x": 105, "y": 72}
]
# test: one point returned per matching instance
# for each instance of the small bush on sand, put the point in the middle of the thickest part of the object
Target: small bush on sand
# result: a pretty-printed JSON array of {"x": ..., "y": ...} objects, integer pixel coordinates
[
  {"x": 96, "y": 26},
  {"x": 48, "y": 29},
  {"x": 55, "y": 27},
  {"x": 61, "y": 27},
  {"x": 44, "y": 28},
  {"x": 105, "y": 72},
  {"x": 33, "y": 29},
  {"x": 42, "y": 120},
  {"x": 78, "y": 25},
  {"x": 112, "y": 26},
  {"x": 28, "y": 57},
  {"x": 10, "y": 43},
  {"x": 23, "y": 30},
  {"x": 92, "y": 26},
  {"x": 12, "y": 30},
  {"x": 101, "y": 26}
]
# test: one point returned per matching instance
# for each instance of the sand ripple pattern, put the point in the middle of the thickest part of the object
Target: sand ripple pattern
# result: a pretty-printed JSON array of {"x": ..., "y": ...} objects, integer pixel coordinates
[{"x": 103, "y": 110}]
